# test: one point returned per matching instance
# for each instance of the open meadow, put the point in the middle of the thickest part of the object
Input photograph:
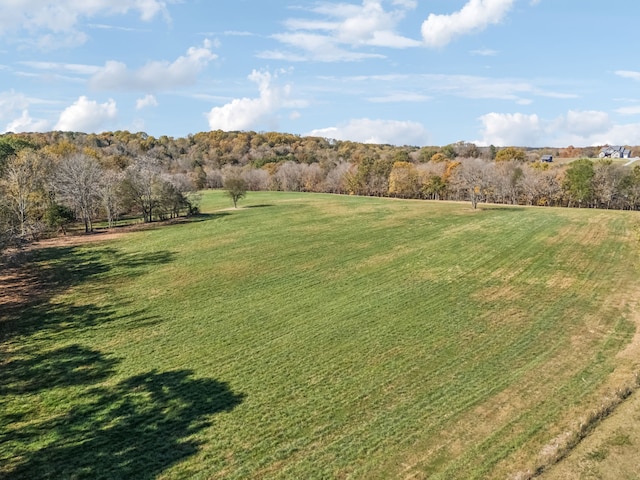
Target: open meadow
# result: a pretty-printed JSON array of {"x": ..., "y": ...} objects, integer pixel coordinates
[{"x": 317, "y": 336}]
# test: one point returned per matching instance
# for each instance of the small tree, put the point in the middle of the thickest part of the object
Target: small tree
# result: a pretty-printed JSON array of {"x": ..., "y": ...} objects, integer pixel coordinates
[
  {"x": 236, "y": 189},
  {"x": 510, "y": 153},
  {"x": 58, "y": 217}
]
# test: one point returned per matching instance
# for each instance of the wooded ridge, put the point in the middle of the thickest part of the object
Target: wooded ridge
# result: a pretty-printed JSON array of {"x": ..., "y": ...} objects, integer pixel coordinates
[{"x": 48, "y": 180}]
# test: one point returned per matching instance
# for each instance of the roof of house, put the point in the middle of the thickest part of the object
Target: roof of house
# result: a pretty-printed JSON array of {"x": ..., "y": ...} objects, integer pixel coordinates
[{"x": 612, "y": 149}]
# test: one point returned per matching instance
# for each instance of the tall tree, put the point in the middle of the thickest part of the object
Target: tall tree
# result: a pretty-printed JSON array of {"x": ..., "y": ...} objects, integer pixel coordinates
[
  {"x": 138, "y": 185},
  {"x": 403, "y": 180},
  {"x": 606, "y": 181},
  {"x": 110, "y": 194},
  {"x": 77, "y": 183},
  {"x": 22, "y": 187},
  {"x": 579, "y": 181},
  {"x": 474, "y": 176}
]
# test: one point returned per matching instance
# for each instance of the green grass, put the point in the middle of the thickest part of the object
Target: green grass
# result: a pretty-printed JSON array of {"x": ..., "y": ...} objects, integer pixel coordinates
[{"x": 316, "y": 336}]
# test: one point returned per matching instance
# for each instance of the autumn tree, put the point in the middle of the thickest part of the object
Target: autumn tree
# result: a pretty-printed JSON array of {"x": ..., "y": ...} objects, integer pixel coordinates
[
  {"x": 110, "y": 194},
  {"x": 22, "y": 186},
  {"x": 138, "y": 186},
  {"x": 403, "y": 180},
  {"x": 77, "y": 183},
  {"x": 236, "y": 189},
  {"x": 510, "y": 154},
  {"x": 474, "y": 176},
  {"x": 607, "y": 178}
]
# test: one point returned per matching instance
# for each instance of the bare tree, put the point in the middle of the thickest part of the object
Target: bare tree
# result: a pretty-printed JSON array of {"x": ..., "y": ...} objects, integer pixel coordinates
[
  {"x": 474, "y": 176},
  {"x": 138, "y": 185},
  {"x": 607, "y": 180},
  {"x": 256, "y": 179},
  {"x": 109, "y": 191},
  {"x": 289, "y": 177},
  {"x": 336, "y": 179},
  {"x": 77, "y": 183}
]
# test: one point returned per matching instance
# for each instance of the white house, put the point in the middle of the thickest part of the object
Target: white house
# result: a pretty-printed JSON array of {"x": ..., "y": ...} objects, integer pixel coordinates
[{"x": 615, "y": 152}]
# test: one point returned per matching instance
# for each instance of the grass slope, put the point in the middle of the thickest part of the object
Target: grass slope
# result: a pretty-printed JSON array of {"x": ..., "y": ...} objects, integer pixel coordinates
[{"x": 317, "y": 336}]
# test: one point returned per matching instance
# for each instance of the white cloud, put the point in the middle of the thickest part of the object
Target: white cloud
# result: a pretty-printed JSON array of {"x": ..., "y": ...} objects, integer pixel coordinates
[
  {"x": 250, "y": 113},
  {"x": 27, "y": 124},
  {"x": 146, "y": 101},
  {"x": 578, "y": 128},
  {"x": 377, "y": 131},
  {"x": 585, "y": 123},
  {"x": 400, "y": 97},
  {"x": 628, "y": 74},
  {"x": 12, "y": 101},
  {"x": 484, "y": 52},
  {"x": 476, "y": 15},
  {"x": 55, "y": 24},
  {"x": 75, "y": 68},
  {"x": 632, "y": 110},
  {"x": 14, "y": 109},
  {"x": 464, "y": 86},
  {"x": 87, "y": 116},
  {"x": 59, "y": 16},
  {"x": 506, "y": 129},
  {"x": 344, "y": 29},
  {"x": 157, "y": 75}
]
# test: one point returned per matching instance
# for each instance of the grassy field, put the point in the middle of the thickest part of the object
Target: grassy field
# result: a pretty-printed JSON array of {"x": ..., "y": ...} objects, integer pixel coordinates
[{"x": 317, "y": 336}]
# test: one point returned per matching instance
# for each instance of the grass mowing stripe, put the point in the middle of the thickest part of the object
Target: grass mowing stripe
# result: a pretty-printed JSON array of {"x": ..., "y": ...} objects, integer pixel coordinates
[{"x": 352, "y": 337}]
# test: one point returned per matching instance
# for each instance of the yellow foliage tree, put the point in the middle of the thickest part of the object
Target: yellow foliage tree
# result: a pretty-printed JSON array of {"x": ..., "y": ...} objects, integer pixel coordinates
[
  {"x": 404, "y": 180},
  {"x": 510, "y": 153}
]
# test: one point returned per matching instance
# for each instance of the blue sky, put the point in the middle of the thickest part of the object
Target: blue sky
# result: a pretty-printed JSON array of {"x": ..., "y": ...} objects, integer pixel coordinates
[{"x": 433, "y": 72}]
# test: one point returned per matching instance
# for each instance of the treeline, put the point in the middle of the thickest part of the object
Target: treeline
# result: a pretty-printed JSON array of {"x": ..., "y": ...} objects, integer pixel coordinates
[{"x": 48, "y": 180}]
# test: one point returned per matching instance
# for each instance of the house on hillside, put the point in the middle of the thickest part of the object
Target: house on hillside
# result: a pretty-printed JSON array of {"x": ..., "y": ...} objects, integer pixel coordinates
[
  {"x": 615, "y": 152},
  {"x": 546, "y": 158}
]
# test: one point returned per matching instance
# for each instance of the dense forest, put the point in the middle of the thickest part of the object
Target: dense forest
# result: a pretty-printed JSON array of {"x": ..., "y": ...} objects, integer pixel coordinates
[{"x": 49, "y": 180}]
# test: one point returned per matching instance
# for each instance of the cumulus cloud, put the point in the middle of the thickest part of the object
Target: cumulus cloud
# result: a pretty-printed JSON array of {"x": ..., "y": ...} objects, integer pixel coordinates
[
  {"x": 12, "y": 101},
  {"x": 157, "y": 75},
  {"x": 344, "y": 29},
  {"x": 27, "y": 124},
  {"x": 475, "y": 16},
  {"x": 504, "y": 129},
  {"x": 87, "y": 116},
  {"x": 578, "y": 128},
  {"x": 14, "y": 109},
  {"x": 377, "y": 131},
  {"x": 250, "y": 113},
  {"x": 146, "y": 101}
]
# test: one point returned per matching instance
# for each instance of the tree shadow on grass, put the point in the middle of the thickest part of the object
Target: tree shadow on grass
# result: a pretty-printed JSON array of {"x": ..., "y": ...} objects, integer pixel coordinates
[
  {"x": 26, "y": 305},
  {"x": 72, "y": 365},
  {"x": 62, "y": 415},
  {"x": 135, "y": 429}
]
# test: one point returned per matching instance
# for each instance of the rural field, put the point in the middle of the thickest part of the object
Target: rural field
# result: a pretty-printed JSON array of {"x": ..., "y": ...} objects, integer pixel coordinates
[{"x": 315, "y": 336}]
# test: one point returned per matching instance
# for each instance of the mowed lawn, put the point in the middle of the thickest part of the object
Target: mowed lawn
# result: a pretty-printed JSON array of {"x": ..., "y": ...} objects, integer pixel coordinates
[{"x": 316, "y": 336}]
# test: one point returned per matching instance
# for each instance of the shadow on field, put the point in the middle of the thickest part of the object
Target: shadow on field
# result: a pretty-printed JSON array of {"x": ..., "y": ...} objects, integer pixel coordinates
[
  {"x": 259, "y": 206},
  {"x": 68, "y": 366},
  {"x": 62, "y": 412},
  {"x": 27, "y": 290},
  {"x": 135, "y": 429}
]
